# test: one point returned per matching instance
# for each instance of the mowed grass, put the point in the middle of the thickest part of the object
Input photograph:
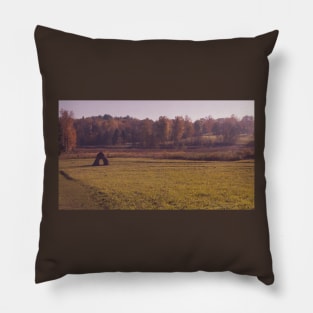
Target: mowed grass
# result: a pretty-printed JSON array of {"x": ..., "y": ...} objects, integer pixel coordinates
[{"x": 155, "y": 184}]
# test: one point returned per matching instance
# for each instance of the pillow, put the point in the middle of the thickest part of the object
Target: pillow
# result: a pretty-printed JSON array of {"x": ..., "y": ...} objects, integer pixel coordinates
[{"x": 180, "y": 126}]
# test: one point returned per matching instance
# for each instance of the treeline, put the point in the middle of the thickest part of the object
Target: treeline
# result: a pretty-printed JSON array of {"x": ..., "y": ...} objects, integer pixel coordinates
[{"x": 109, "y": 131}]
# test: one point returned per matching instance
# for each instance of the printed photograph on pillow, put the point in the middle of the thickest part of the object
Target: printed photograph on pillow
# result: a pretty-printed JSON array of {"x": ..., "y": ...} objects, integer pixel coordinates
[{"x": 156, "y": 155}]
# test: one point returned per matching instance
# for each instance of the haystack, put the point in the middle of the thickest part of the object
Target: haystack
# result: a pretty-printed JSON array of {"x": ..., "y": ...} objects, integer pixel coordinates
[{"x": 100, "y": 157}]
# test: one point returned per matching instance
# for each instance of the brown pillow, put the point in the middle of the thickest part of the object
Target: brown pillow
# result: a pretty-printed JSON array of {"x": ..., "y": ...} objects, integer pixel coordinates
[{"x": 180, "y": 193}]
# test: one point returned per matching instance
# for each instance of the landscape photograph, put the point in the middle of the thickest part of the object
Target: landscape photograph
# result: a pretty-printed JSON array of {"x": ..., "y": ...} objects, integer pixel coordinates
[{"x": 156, "y": 155}]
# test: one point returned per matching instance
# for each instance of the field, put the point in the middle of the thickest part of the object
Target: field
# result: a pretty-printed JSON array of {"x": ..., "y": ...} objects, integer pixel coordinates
[{"x": 145, "y": 183}]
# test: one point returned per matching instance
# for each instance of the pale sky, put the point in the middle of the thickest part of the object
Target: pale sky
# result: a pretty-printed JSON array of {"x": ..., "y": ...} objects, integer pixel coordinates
[{"x": 153, "y": 109}]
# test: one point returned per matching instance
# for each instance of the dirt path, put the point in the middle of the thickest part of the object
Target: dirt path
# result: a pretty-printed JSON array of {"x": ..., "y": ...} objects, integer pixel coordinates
[{"x": 73, "y": 195}]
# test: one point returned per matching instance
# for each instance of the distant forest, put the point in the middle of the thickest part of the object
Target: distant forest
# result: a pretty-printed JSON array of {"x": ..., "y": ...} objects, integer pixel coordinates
[{"x": 107, "y": 130}]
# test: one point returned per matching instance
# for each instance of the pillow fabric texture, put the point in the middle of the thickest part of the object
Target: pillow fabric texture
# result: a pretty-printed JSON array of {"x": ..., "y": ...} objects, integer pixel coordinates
[{"x": 74, "y": 67}]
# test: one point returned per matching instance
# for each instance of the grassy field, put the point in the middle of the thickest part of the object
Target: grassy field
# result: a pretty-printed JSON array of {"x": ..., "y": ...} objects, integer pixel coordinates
[{"x": 156, "y": 184}]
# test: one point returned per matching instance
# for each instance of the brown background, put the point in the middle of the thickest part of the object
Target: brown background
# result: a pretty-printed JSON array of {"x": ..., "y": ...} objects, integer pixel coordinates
[{"x": 78, "y": 68}]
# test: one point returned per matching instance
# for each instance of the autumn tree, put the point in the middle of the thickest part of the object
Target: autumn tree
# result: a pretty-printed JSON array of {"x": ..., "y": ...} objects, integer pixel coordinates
[
  {"x": 146, "y": 132},
  {"x": 67, "y": 132},
  {"x": 163, "y": 129},
  {"x": 228, "y": 128},
  {"x": 108, "y": 130},
  {"x": 178, "y": 128},
  {"x": 208, "y": 123},
  {"x": 247, "y": 125},
  {"x": 116, "y": 137},
  {"x": 198, "y": 127},
  {"x": 188, "y": 127}
]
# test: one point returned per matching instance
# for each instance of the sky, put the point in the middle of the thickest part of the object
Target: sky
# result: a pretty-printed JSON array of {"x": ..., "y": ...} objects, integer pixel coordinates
[{"x": 153, "y": 109}]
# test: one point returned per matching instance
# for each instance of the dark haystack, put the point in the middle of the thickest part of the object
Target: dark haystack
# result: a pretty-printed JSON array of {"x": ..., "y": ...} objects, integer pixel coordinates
[{"x": 100, "y": 156}]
